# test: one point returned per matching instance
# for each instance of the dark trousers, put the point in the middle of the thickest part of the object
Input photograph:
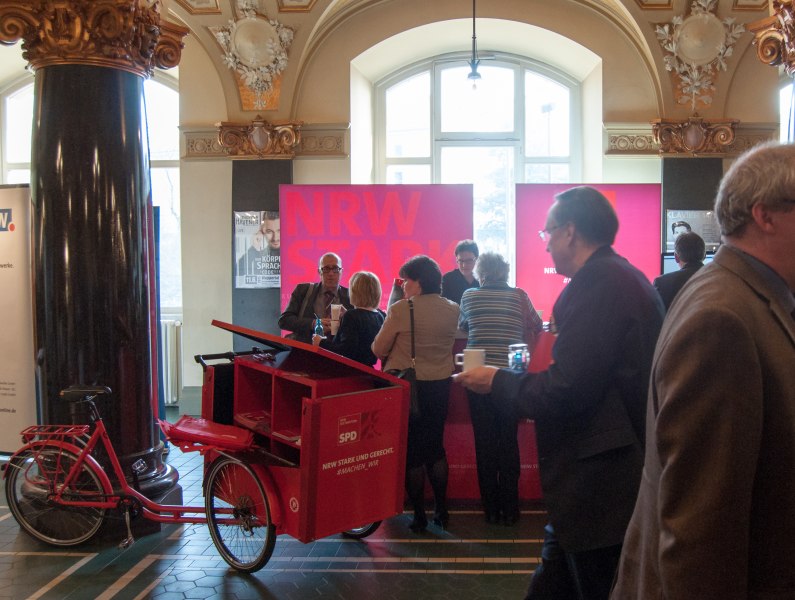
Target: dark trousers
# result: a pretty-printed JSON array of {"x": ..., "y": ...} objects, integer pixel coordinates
[
  {"x": 565, "y": 575},
  {"x": 496, "y": 455}
]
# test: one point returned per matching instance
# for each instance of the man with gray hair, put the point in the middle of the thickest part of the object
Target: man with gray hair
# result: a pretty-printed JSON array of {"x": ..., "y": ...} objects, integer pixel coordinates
[{"x": 715, "y": 515}]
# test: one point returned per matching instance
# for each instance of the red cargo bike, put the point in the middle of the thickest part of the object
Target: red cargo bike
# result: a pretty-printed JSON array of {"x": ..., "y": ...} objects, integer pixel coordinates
[{"x": 296, "y": 440}]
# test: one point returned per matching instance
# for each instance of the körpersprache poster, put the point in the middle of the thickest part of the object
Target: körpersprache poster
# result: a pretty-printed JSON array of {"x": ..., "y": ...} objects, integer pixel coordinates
[
  {"x": 702, "y": 222},
  {"x": 257, "y": 249}
]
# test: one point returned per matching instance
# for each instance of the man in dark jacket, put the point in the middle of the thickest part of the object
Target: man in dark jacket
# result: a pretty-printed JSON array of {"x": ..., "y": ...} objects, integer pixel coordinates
[
  {"x": 689, "y": 253},
  {"x": 311, "y": 300},
  {"x": 589, "y": 407}
]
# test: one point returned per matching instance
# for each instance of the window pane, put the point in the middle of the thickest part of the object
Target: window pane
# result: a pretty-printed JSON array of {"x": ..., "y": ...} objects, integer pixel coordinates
[
  {"x": 18, "y": 176},
  {"x": 787, "y": 133},
  {"x": 408, "y": 117},
  {"x": 488, "y": 107},
  {"x": 491, "y": 171},
  {"x": 162, "y": 115},
  {"x": 19, "y": 125},
  {"x": 165, "y": 194},
  {"x": 546, "y": 116},
  {"x": 414, "y": 174},
  {"x": 540, "y": 173}
]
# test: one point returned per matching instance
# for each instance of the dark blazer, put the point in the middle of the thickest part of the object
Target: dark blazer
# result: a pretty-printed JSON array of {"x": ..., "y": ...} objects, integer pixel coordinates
[
  {"x": 589, "y": 407},
  {"x": 668, "y": 285},
  {"x": 715, "y": 517},
  {"x": 454, "y": 285},
  {"x": 299, "y": 316}
]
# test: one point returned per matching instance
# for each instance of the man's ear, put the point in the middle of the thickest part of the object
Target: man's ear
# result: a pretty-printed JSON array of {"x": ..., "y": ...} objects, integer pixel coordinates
[{"x": 763, "y": 217}]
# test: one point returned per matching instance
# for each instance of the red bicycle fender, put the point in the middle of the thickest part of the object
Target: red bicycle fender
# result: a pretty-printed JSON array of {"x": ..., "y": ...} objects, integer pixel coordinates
[
  {"x": 90, "y": 460},
  {"x": 264, "y": 475}
]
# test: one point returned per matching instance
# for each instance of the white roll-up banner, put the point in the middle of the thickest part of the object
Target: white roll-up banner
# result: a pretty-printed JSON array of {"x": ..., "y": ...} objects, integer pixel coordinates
[{"x": 17, "y": 361}]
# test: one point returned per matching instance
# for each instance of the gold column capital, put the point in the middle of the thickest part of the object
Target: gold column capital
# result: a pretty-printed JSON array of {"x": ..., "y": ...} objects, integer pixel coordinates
[
  {"x": 694, "y": 136},
  {"x": 774, "y": 36},
  {"x": 259, "y": 139},
  {"x": 122, "y": 34}
]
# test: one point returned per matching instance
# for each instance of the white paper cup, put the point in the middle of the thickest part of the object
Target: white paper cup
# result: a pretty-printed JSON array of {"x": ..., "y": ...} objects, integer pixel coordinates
[
  {"x": 335, "y": 312},
  {"x": 471, "y": 358},
  {"x": 335, "y": 325}
]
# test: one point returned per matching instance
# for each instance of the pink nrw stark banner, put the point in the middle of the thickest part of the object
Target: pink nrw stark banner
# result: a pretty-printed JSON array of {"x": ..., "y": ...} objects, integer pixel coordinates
[{"x": 371, "y": 227}]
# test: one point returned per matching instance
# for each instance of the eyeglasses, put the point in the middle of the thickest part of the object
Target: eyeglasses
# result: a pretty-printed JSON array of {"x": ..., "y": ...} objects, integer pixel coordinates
[
  {"x": 465, "y": 261},
  {"x": 334, "y": 269},
  {"x": 545, "y": 234}
]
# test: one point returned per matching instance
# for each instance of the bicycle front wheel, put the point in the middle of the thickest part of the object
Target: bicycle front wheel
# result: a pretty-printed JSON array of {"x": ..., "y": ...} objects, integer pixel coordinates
[
  {"x": 33, "y": 476},
  {"x": 239, "y": 515}
]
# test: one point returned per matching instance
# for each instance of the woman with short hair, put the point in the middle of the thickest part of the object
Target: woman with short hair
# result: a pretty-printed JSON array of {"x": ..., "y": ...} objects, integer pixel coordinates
[
  {"x": 358, "y": 326},
  {"x": 496, "y": 315},
  {"x": 435, "y": 326}
]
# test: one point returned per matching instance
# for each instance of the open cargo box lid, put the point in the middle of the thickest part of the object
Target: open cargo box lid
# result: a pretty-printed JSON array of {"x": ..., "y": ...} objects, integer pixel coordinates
[{"x": 309, "y": 355}]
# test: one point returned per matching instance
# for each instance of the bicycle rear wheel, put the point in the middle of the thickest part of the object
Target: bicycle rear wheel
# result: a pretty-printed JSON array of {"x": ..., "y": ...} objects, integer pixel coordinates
[
  {"x": 239, "y": 515},
  {"x": 30, "y": 479}
]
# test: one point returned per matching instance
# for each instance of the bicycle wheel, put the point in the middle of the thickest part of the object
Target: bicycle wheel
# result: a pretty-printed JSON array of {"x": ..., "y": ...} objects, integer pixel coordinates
[
  {"x": 358, "y": 533},
  {"x": 30, "y": 479},
  {"x": 239, "y": 516}
]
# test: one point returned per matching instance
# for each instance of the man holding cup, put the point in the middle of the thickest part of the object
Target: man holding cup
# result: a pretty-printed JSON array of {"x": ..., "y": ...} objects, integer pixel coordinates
[
  {"x": 323, "y": 300},
  {"x": 589, "y": 406}
]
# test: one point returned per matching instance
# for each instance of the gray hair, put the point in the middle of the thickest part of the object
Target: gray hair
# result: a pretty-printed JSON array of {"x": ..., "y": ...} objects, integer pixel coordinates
[
  {"x": 765, "y": 175},
  {"x": 334, "y": 254},
  {"x": 492, "y": 268}
]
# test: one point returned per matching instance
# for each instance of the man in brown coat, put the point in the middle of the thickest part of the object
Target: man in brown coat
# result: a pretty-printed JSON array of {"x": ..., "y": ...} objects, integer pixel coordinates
[{"x": 715, "y": 516}]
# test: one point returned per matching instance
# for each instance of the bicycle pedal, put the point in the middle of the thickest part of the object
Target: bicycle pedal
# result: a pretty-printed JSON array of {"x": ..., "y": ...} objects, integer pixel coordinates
[
  {"x": 126, "y": 543},
  {"x": 139, "y": 466}
]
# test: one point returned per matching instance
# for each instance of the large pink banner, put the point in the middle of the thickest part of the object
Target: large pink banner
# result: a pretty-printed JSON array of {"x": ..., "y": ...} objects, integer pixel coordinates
[
  {"x": 372, "y": 228},
  {"x": 638, "y": 239}
]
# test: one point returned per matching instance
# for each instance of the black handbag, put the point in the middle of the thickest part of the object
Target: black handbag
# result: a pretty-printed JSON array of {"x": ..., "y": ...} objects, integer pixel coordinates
[{"x": 410, "y": 374}]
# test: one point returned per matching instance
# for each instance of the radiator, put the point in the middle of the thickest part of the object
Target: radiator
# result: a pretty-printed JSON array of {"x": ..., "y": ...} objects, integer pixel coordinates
[{"x": 171, "y": 367}]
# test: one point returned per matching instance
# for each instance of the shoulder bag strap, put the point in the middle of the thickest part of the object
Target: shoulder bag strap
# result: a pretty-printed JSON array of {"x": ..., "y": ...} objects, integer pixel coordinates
[
  {"x": 309, "y": 288},
  {"x": 411, "y": 320}
]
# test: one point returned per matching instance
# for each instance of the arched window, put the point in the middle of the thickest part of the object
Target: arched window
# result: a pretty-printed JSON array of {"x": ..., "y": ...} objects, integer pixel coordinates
[
  {"x": 518, "y": 123},
  {"x": 161, "y": 100}
]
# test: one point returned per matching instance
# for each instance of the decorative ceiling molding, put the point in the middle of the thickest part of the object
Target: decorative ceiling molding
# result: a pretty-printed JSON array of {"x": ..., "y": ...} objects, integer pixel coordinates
[
  {"x": 694, "y": 136},
  {"x": 696, "y": 49},
  {"x": 317, "y": 141},
  {"x": 774, "y": 36},
  {"x": 750, "y": 5},
  {"x": 110, "y": 33},
  {"x": 637, "y": 140},
  {"x": 260, "y": 139},
  {"x": 200, "y": 7},
  {"x": 255, "y": 48},
  {"x": 296, "y": 5},
  {"x": 655, "y": 4}
]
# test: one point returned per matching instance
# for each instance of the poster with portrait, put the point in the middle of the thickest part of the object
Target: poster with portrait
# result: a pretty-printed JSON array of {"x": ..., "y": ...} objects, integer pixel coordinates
[
  {"x": 257, "y": 249},
  {"x": 702, "y": 222}
]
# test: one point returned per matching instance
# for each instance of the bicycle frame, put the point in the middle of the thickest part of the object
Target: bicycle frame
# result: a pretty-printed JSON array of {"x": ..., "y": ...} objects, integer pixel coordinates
[{"x": 40, "y": 437}]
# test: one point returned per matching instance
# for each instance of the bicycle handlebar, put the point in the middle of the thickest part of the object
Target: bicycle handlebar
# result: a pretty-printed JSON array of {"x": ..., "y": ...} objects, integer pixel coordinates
[{"x": 203, "y": 358}]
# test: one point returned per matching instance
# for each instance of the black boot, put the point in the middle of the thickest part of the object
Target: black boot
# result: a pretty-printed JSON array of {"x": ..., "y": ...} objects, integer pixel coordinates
[
  {"x": 438, "y": 474},
  {"x": 415, "y": 488}
]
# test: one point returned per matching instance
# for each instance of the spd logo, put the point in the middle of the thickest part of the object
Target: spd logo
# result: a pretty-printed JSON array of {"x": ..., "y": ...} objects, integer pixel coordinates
[
  {"x": 349, "y": 429},
  {"x": 6, "y": 224}
]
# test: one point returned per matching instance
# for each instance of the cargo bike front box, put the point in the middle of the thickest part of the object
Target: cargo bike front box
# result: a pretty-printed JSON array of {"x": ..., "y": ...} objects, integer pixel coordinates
[{"x": 329, "y": 432}]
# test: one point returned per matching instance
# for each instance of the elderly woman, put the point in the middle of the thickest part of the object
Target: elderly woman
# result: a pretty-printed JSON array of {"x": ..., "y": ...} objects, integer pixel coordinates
[
  {"x": 435, "y": 325},
  {"x": 495, "y": 316}
]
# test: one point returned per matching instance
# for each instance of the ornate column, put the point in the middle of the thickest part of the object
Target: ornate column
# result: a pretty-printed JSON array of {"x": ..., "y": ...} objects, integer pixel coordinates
[{"x": 91, "y": 196}]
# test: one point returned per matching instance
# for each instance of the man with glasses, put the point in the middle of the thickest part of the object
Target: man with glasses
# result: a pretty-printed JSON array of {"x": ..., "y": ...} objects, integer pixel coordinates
[
  {"x": 715, "y": 516},
  {"x": 589, "y": 407},
  {"x": 457, "y": 281},
  {"x": 312, "y": 300}
]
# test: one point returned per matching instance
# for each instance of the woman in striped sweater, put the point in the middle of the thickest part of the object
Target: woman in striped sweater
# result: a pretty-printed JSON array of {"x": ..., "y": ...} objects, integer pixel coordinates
[{"x": 495, "y": 316}]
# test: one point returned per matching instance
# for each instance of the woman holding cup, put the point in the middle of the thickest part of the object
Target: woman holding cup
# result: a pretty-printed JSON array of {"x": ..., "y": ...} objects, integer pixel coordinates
[
  {"x": 354, "y": 331},
  {"x": 435, "y": 326},
  {"x": 495, "y": 316}
]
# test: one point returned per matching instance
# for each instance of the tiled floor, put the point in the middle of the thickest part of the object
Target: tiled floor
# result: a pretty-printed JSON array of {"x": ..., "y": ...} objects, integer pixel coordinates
[{"x": 472, "y": 560}]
